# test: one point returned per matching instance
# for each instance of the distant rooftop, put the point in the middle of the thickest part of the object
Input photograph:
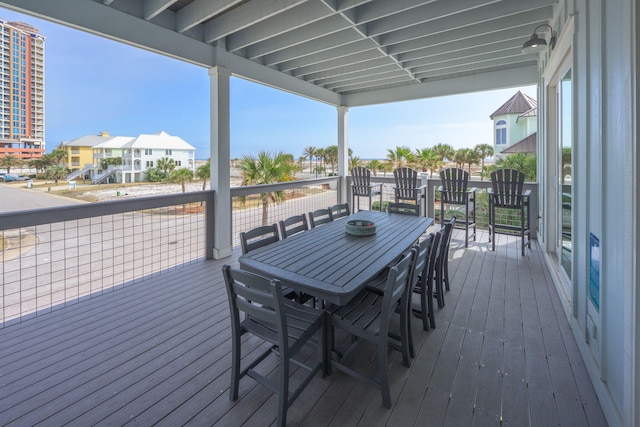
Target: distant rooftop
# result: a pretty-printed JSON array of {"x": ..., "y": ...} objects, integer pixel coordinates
[
  {"x": 525, "y": 145},
  {"x": 517, "y": 104}
]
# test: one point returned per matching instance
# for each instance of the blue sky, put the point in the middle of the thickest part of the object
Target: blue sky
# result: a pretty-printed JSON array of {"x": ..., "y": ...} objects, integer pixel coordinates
[{"x": 95, "y": 84}]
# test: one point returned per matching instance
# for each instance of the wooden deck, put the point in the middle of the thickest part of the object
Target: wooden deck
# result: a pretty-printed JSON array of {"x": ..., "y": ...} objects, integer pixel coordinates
[{"x": 157, "y": 352}]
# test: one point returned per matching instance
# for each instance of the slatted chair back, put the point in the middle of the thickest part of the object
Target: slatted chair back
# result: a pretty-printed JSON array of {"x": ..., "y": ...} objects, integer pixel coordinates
[
  {"x": 258, "y": 237},
  {"x": 507, "y": 186},
  {"x": 407, "y": 184},
  {"x": 320, "y": 216},
  {"x": 361, "y": 184},
  {"x": 340, "y": 210},
  {"x": 454, "y": 185},
  {"x": 399, "y": 279},
  {"x": 422, "y": 258},
  {"x": 367, "y": 316},
  {"x": 268, "y": 317},
  {"x": 442, "y": 261},
  {"x": 403, "y": 208},
  {"x": 427, "y": 281},
  {"x": 293, "y": 225},
  {"x": 261, "y": 300}
]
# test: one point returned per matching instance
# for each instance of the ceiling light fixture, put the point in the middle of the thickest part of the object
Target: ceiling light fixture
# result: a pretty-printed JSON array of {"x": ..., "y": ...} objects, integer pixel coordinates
[{"x": 536, "y": 43}]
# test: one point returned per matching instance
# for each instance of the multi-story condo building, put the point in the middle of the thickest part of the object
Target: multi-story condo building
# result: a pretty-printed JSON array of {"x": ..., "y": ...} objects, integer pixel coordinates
[{"x": 21, "y": 90}]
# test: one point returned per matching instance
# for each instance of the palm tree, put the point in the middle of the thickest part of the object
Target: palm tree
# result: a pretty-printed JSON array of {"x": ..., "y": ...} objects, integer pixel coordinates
[
  {"x": 181, "y": 176},
  {"x": 40, "y": 164},
  {"x": 166, "y": 165},
  {"x": 399, "y": 156},
  {"x": 458, "y": 158},
  {"x": 331, "y": 154},
  {"x": 309, "y": 152},
  {"x": 9, "y": 161},
  {"x": 470, "y": 157},
  {"x": 387, "y": 166},
  {"x": 204, "y": 172},
  {"x": 266, "y": 168},
  {"x": 465, "y": 156},
  {"x": 56, "y": 173},
  {"x": 354, "y": 162},
  {"x": 374, "y": 166},
  {"x": 483, "y": 151},
  {"x": 104, "y": 163},
  {"x": 523, "y": 162},
  {"x": 424, "y": 158},
  {"x": 58, "y": 155},
  {"x": 320, "y": 156},
  {"x": 444, "y": 151}
]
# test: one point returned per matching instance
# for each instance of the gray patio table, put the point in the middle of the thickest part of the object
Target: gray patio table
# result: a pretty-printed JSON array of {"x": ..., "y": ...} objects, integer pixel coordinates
[{"x": 330, "y": 264}]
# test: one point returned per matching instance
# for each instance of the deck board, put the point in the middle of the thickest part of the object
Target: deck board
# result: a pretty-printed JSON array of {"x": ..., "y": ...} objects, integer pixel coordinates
[{"x": 157, "y": 352}]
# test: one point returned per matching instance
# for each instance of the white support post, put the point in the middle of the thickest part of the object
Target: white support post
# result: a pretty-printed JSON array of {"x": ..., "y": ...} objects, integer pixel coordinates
[
  {"x": 220, "y": 161},
  {"x": 343, "y": 152}
]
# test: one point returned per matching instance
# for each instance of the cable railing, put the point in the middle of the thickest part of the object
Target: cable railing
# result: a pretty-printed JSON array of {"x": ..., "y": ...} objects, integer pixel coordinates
[
  {"x": 56, "y": 257},
  {"x": 254, "y": 206}
]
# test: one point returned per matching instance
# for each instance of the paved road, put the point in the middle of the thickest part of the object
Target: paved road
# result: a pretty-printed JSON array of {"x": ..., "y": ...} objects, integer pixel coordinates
[{"x": 16, "y": 197}]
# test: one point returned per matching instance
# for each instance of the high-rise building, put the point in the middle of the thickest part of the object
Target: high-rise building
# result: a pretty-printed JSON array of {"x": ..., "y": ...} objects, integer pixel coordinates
[{"x": 21, "y": 90}]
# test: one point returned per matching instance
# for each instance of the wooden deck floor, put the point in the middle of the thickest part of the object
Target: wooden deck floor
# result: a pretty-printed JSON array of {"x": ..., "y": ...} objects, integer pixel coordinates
[{"x": 157, "y": 352}]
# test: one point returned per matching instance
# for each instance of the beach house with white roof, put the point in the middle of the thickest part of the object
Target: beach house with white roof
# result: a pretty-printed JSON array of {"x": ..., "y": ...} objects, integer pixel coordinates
[
  {"x": 144, "y": 151},
  {"x": 137, "y": 153}
]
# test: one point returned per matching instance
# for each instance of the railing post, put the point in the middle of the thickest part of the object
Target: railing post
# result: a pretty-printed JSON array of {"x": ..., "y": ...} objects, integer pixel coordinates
[{"x": 210, "y": 228}]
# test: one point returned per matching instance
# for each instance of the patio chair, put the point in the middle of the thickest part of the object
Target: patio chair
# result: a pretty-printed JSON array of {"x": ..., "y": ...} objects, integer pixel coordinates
[
  {"x": 293, "y": 225},
  {"x": 403, "y": 208},
  {"x": 258, "y": 237},
  {"x": 423, "y": 252},
  {"x": 361, "y": 186},
  {"x": 366, "y": 317},
  {"x": 407, "y": 187},
  {"x": 455, "y": 191},
  {"x": 285, "y": 324},
  {"x": 340, "y": 210},
  {"x": 319, "y": 217},
  {"x": 507, "y": 193},
  {"x": 423, "y": 279},
  {"x": 442, "y": 262}
]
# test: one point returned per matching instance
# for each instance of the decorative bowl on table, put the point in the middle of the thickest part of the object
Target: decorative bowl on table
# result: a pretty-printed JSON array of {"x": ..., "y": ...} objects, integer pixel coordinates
[{"x": 360, "y": 227}]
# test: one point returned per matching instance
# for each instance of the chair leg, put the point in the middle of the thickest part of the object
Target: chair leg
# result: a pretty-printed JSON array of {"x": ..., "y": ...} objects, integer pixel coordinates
[
  {"x": 492, "y": 227},
  {"x": 466, "y": 223},
  {"x": 432, "y": 317},
  {"x": 283, "y": 395},
  {"x": 235, "y": 366},
  {"x": 383, "y": 372},
  {"x": 424, "y": 306},
  {"x": 522, "y": 228},
  {"x": 439, "y": 288},
  {"x": 473, "y": 205},
  {"x": 445, "y": 271},
  {"x": 406, "y": 340},
  {"x": 323, "y": 345}
]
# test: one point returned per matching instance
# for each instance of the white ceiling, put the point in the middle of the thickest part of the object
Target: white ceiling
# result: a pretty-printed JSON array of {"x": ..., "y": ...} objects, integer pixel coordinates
[{"x": 343, "y": 52}]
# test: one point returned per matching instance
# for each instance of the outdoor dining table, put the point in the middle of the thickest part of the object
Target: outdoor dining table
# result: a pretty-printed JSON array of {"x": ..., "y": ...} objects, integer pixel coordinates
[{"x": 331, "y": 265}]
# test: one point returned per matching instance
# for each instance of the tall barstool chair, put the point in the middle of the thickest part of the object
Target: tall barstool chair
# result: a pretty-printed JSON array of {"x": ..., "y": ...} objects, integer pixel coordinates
[{"x": 455, "y": 191}]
